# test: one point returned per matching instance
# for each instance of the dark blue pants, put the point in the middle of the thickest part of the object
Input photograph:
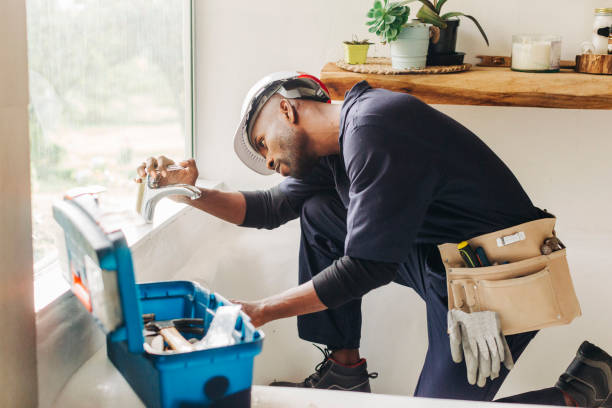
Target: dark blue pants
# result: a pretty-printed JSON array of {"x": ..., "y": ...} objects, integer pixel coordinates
[{"x": 323, "y": 224}]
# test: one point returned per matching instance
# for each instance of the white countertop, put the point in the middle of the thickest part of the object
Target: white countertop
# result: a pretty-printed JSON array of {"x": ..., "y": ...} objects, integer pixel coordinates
[{"x": 98, "y": 384}]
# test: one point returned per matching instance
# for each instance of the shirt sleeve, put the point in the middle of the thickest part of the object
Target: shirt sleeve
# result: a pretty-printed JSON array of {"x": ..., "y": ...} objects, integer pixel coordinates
[
  {"x": 350, "y": 278},
  {"x": 267, "y": 209},
  {"x": 271, "y": 208},
  {"x": 391, "y": 187}
]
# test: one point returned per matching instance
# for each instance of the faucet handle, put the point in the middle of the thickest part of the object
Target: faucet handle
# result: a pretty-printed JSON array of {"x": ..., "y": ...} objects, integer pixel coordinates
[{"x": 153, "y": 182}]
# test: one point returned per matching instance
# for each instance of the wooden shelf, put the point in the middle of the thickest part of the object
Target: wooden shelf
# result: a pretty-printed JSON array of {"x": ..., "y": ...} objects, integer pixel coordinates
[{"x": 487, "y": 87}]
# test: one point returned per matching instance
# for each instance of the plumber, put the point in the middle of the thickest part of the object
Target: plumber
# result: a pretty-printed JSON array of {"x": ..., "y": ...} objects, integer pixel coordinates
[{"x": 377, "y": 183}]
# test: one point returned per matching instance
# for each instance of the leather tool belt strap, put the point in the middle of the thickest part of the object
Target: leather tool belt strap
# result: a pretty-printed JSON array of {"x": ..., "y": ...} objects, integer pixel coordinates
[{"x": 528, "y": 290}]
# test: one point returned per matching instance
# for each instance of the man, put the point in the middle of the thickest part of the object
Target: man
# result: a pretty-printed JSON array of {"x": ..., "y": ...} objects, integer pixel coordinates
[{"x": 377, "y": 182}]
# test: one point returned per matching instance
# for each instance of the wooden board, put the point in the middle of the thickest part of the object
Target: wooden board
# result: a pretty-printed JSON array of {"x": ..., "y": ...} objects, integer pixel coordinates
[
  {"x": 503, "y": 61},
  {"x": 486, "y": 87},
  {"x": 594, "y": 64}
]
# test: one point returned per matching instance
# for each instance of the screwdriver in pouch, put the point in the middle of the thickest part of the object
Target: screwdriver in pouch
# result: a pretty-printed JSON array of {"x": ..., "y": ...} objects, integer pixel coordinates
[
  {"x": 482, "y": 257},
  {"x": 468, "y": 255}
]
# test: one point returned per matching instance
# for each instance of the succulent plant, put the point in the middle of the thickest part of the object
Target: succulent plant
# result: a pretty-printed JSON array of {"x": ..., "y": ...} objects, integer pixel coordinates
[
  {"x": 357, "y": 41},
  {"x": 387, "y": 19}
]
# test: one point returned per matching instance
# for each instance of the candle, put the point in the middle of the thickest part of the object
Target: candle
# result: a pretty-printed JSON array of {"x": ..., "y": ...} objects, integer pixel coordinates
[
  {"x": 536, "y": 53},
  {"x": 601, "y": 30}
]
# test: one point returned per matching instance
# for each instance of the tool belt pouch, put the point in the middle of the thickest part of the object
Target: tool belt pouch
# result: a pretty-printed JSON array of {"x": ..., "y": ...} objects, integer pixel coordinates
[{"x": 530, "y": 292}]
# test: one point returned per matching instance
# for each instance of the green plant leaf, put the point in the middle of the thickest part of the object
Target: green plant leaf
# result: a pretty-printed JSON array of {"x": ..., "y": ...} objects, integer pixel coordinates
[
  {"x": 406, "y": 2},
  {"x": 439, "y": 6},
  {"x": 428, "y": 4},
  {"x": 459, "y": 14},
  {"x": 452, "y": 14},
  {"x": 387, "y": 18},
  {"x": 427, "y": 15}
]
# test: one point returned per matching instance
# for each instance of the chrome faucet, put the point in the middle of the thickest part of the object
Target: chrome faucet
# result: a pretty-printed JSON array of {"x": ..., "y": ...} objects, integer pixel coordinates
[{"x": 153, "y": 193}]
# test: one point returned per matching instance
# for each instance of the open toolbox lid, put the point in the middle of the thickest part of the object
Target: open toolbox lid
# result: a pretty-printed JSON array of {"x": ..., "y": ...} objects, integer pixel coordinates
[{"x": 100, "y": 270}]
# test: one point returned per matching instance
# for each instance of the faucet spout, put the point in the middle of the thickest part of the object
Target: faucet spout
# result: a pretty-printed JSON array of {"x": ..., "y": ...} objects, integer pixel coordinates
[{"x": 151, "y": 197}]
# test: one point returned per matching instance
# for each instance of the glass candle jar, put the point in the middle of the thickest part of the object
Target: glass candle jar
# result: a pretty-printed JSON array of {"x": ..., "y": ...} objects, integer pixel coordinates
[
  {"x": 601, "y": 30},
  {"x": 536, "y": 53}
]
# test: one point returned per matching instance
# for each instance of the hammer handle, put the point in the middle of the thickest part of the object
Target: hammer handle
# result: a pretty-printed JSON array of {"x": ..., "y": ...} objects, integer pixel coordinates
[{"x": 175, "y": 339}]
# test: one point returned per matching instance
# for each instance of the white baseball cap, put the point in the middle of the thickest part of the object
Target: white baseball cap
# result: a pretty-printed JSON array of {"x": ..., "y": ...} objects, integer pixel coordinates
[{"x": 291, "y": 85}]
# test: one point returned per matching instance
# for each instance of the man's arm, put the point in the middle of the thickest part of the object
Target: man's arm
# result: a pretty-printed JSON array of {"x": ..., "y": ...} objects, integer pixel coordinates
[
  {"x": 256, "y": 209},
  {"x": 344, "y": 280},
  {"x": 229, "y": 206},
  {"x": 292, "y": 302}
]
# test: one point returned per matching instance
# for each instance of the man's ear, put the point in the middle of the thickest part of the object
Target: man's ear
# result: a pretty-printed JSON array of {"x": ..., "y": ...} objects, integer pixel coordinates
[{"x": 288, "y": 110}]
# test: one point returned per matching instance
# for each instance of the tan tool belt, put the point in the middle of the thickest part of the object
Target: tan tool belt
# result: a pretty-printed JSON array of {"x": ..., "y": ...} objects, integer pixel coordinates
[{"x": 530, "y": 292}]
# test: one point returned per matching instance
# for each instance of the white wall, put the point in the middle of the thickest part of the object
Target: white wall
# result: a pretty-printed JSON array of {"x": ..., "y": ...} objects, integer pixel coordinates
[
  {"x": 560, "y": 156},
  {"x": 18, "y": 339}
]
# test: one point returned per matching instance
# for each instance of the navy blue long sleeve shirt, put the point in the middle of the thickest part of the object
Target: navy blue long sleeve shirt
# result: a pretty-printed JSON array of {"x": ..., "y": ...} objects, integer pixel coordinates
[{"x": 407, "y": 174}]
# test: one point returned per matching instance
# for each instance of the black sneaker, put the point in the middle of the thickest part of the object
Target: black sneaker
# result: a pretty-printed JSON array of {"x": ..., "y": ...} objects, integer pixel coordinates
[
  {"x": 588, "y": 379},
  {"x": 330, "y": 375}
]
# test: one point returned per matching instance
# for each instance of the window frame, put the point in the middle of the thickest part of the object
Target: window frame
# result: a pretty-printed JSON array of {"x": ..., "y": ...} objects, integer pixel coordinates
[{"x": 190, "y": 81}]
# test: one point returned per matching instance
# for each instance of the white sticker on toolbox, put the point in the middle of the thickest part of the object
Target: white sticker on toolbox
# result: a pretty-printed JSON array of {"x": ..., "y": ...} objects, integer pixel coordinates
[
  {"x": 105, "y": 302},
  {"x": 510, "y": 239}
]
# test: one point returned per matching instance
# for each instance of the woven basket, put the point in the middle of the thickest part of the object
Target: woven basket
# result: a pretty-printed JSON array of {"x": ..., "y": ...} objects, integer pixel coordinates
[{"x": 383, "y": 66}]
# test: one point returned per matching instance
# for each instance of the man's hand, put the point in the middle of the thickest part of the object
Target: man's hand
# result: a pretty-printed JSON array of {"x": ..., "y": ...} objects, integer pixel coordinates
[
  {"x": 158, "y": 167},
  {"x": 292, "y": 302},
  {"x": 255, "y": 311},
  {"x": 477, "y": 336}
]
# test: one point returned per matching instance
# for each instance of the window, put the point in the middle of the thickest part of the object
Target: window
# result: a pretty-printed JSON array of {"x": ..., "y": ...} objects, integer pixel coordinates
[{"x": 110, "y": 84}]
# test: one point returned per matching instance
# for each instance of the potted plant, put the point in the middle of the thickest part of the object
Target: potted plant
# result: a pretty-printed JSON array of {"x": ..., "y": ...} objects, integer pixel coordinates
[
  {"x": 443, "y": 51},
  {"x": 408, "y": 41},
  {"x": 356, "y": 51}
]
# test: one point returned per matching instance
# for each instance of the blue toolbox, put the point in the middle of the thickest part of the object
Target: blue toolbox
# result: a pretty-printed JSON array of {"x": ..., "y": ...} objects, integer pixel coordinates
[{"x": 101, "y": 275}]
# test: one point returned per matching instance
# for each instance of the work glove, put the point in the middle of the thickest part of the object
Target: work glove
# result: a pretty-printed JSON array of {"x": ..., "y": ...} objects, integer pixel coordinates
[{"x": 477, "y": 336}]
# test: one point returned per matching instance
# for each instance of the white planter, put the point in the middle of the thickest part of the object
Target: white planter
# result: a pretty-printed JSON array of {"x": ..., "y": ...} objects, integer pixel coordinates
[{"x": 409, "y": 51}]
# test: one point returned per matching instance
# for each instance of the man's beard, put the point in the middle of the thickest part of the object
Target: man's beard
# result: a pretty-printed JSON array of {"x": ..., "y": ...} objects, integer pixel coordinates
[{"x": 299, "y": 160}]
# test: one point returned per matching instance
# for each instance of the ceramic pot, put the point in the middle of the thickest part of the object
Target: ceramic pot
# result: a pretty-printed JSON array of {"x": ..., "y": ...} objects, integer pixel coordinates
[
  {"x": 409, "y": 51},
  {"x": 448, "y": 39},
  {"x": 356, "y": 53}
]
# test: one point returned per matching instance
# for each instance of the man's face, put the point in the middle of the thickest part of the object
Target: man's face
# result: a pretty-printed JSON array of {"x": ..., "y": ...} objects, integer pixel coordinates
[{"x": 281, "y": 141}]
